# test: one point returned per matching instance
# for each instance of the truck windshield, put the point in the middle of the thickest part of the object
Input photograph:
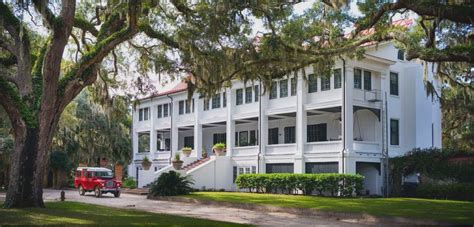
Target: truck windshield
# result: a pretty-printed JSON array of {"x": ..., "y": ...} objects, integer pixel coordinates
[{"x": 103, "y": 174}]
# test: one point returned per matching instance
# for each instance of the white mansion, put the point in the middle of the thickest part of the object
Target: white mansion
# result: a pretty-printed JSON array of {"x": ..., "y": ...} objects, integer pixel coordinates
[{"x": 346, "y": 123}]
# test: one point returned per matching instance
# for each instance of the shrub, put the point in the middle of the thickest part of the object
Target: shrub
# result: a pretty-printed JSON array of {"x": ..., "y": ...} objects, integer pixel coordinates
[
  {"x": 129, "y": 182},
  {"x": 171, "y": 184},
  {"x": 454, "y": 191},
  {"x": 346, "y": 184}
]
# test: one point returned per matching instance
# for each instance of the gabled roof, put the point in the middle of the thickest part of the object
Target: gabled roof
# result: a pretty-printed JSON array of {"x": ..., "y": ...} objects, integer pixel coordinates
[{"x": 180, "y": 87}]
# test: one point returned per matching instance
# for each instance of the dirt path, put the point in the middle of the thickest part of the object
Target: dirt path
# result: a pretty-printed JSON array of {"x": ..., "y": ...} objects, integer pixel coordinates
[{"x": 218, "y": 213}]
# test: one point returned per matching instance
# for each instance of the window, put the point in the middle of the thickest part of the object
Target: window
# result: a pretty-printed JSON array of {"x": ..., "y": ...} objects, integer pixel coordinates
[
  {"x": 219, "y": 138},
  {"x": 188, "y": 106},
  {"x": 322, "y": 167},
  {"x": 401, "y": 55},
  {"x": 394, "y": 132},
  {"x": 244, "y": 170},
  {"x": 166, "y": 108},
  {"x": 158, "y": 141},
  {"x": 224, "y": 99},
  {"x": 280, "y": 168},
  {"x": 144, "y": 142},
  {"x": 189, "y": 141},
  {"x": 240, "y": 96},
  {"x": 257, "y": 93},
  {"x": 337, "y": 78},
  {"x": 234, "y": 173},
  {"x": 283, "y": 88},
  {"x": 273, "y": 136},
  {"x": 206, "y": 104},
  {"x": 253, "y": 138},
  {"x": 243, "y": 138},
  {"x": 181, "y": 107},
  {"x": 216, "y": 101},
  {"x": 160, "y": 111},
  {"x": 358, "y": 78},
  {"x": 367, "y": 81},
  {"x": 144, "y": 114},
  {"x": 236, "y": 139},
  {"x": 317, "y": 132},
  {"x": 312, "y": 83},
  {"x": 248, "y": 95},
  {"x": 394, "y": 83},
  {"x": 290, "y": 134},
  {"x": 293, "y": 86},
  {"x": 325, "y": 83},
  {"x": 167, "y": 144},
  {"x": 274, "y": 90}
]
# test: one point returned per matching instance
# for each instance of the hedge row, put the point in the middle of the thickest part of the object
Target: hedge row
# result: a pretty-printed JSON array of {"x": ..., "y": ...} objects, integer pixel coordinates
[
  {"x": 333, "y": 183},
  {"x": 454, "y": 191}
]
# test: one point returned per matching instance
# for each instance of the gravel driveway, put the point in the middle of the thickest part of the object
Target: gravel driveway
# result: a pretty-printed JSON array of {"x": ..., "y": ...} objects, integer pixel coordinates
[{"x": 219, "y": 213}]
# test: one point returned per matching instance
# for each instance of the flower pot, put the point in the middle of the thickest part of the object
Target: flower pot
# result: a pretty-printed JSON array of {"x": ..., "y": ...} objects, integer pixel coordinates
[
  {"x": 146, "y": 165},
  {"x": 219, "y": 151},
  {"x": 177, "y": 165},
  {"x": 186, "y": 152}
]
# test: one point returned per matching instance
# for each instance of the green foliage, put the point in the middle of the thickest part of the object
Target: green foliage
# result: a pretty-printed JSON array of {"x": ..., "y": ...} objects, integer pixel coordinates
[
  {"x": 89, "y": 130},
  {"x": 434, "y": 163},
  {"x": 458, "y": 120},
  {"x": 129, "y": 182},
  {"x": 346, "y": 184},
  {"x": 60, "y": 161},
  {"x": 177, "y": 157},
  {"x": 186, "y": 149},
  {"x": 452, "y": 191},
  {"x": 171, "y": 184},
  {"x": 219, "y": 146}
]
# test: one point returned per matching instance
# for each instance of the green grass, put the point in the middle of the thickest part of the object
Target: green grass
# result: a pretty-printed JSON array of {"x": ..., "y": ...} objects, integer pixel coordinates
[
  {"x": 74, "y": 213},
  {"x": 429, "y": 209}
]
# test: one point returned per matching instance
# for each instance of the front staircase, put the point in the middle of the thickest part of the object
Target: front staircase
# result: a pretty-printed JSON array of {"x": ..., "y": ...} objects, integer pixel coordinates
[{"x": 195, "y": 164}]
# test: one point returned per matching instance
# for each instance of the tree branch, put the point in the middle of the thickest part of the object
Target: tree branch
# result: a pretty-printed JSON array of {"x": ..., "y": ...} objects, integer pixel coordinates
[
  {"x": 84, "y": 25},
  {"x": 48, "y": 17}
]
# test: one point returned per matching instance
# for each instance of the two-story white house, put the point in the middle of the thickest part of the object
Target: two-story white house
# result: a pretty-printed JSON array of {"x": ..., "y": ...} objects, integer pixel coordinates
[{"x": 347, "y": 122}]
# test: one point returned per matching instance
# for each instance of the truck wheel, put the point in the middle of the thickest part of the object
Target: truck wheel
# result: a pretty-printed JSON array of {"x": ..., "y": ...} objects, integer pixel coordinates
[
  {"x": 117, "y": 194},
  {"x": 97, "y": 192},
  {"x": 81, "y": 190}
]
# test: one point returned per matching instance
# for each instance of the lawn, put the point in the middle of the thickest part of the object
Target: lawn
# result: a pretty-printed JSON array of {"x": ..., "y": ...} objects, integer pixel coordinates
[
  {"x": 439, "y": 210},
  {"x": 74, "y": 213}
]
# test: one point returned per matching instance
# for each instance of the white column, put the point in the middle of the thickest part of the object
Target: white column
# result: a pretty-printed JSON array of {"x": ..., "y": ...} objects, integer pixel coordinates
[
  {"x": 348, "y": 122},
  {"x": 153, "y": 116},
  {"x": 134, "y": 133},
  {"x": 174, "y": 129},
  {"x": 263, "y": 120},
  {"x": 301, "y": 125},
  {"x": 197, "y": 152},
  {"x": 230, "y": 124}
]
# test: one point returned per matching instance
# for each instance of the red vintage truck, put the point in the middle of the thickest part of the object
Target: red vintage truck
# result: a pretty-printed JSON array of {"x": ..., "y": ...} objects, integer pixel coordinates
[{"x": 98, "y": 180}]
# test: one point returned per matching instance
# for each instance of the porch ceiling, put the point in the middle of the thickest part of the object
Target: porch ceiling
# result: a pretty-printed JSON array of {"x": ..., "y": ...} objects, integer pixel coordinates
[{"x": 214, "y": 124}]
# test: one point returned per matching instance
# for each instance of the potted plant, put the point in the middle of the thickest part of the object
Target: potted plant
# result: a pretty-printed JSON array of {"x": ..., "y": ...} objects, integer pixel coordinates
[
  {"x": 204, "y": 152},
  {"x": 186, "y": 151},
  {"x": 219, "y": 149},
  {"x": 146, "y": 163},
  {"x": 177, "y": 163}
]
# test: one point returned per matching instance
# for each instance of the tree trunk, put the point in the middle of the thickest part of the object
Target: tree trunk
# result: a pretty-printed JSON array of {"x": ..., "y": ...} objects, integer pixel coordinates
[{"x": 22, "y": 170}]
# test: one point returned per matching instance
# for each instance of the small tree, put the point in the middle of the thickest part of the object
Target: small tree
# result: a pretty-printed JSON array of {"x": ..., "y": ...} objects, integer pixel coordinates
[{"x": 171, "y": 184}]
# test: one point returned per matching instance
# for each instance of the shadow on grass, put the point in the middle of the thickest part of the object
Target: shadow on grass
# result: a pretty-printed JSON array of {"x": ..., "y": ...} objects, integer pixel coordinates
[{"x": 74, "y": 213}]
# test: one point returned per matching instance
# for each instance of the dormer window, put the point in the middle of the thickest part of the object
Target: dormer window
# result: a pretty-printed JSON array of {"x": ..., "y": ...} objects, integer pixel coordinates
[{"x": 401, "y": 55}]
